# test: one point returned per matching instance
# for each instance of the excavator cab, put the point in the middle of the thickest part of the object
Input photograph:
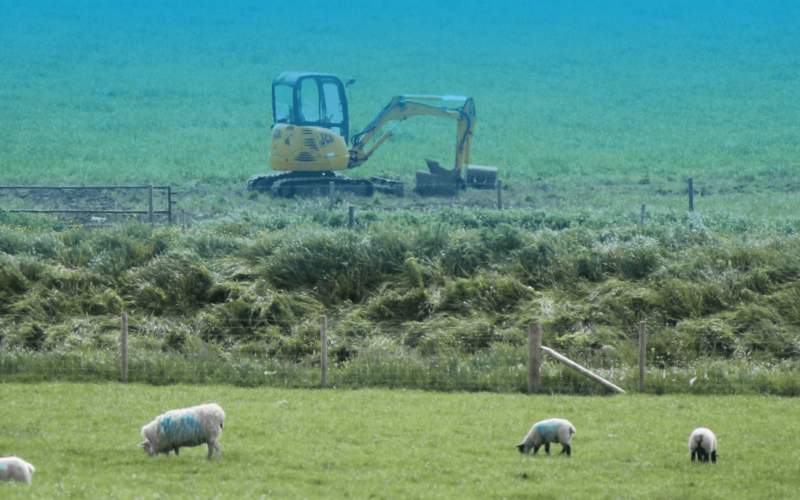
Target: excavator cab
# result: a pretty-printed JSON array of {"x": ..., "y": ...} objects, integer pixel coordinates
[{"x": 310, "y": 100}]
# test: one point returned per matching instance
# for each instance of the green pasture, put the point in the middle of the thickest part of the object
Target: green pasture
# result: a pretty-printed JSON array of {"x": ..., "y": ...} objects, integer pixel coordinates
[{"x": 395, "y": 444}]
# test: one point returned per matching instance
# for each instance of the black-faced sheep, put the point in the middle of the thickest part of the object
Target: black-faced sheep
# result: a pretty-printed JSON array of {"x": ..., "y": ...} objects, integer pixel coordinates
[
  {"x": 553, "y": 430},
  {"x": 703, "y": 443}
]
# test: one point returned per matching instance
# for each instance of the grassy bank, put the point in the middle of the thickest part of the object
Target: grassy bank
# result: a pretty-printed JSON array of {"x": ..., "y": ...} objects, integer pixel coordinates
[{"x": 418, "y": 288}]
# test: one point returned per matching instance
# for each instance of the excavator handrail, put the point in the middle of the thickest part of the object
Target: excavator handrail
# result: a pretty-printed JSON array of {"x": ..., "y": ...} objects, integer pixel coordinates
[{"x": 401, "y": 107}]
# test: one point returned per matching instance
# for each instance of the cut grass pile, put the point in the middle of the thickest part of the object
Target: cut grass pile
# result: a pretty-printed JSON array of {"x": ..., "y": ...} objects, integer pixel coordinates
[{"x": 281, "y": 443}]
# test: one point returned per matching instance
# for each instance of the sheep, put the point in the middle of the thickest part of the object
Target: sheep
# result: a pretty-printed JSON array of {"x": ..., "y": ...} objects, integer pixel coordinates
[
  {"x": 553, "y": 430},
  {"x": 185, "y": 427},
  {"x": 703, "y": 443},
  {"x": 15, "y": 468}
]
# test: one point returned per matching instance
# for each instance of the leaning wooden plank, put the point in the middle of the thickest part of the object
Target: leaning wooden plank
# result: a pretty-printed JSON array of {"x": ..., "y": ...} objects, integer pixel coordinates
[{"x": 583, "y": 371}]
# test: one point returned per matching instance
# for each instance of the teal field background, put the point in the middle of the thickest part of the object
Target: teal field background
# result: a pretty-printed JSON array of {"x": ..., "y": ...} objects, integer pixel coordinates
[{"x": 134, "y": 92}]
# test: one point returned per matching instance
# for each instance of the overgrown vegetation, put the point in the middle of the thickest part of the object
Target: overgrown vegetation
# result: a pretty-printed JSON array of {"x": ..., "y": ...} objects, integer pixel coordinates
[{"x": 427, "y": 290}]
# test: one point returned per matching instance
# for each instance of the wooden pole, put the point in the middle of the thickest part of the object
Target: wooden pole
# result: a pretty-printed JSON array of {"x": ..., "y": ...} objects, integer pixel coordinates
[
  {"x": 499, "y": 194},
  {"x": 124, "y": 349},
  {"x": 642, "y": 352},
  {"x": 331, "y": 194},
  {"x": 150, "y": 216},
  {"x": 534, "y": 357},
  {"x": 183, "y": 218},
  {"x": 691, "y": 195},
  {"x": 323, "y": 320},
  {"x": 641, "y": 219},
  {"x": 583, "y": 371},
  {"x": 352, "y": 213}
]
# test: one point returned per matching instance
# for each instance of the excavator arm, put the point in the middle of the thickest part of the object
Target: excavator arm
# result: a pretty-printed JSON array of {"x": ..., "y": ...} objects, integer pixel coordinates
[{"x": 405, "y": 106}]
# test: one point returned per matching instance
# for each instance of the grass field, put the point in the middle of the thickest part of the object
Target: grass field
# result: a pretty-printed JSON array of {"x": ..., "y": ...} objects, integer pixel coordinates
[
  {"x": 395, "y": 444},
  {"x": 589, "y": 112}
]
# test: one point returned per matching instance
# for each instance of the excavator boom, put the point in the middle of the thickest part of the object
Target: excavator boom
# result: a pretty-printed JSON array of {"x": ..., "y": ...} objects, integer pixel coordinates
[{"x": 405, "y": 106}]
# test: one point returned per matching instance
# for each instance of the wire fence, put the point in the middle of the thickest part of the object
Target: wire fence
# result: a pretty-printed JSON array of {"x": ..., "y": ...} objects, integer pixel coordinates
[{"x": 341, "y": 354}]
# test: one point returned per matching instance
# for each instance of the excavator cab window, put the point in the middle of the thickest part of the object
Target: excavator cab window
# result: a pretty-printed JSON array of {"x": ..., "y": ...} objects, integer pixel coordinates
[
  {"x": 311, "y": 99},
  {"x": 284, "y": 97}
]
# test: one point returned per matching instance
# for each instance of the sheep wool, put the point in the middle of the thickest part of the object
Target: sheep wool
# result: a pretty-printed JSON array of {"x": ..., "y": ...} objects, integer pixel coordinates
[
  {"x": 15, "y": 468},
  {"x": 553, "y": 430},
  {"x": 185, "y": 427},
  {"x": 703, "y": 443}
]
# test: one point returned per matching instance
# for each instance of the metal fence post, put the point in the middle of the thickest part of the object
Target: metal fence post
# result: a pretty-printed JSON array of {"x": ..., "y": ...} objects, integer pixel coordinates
[
  {"x": 150, "y": 216},
  {"x": 691, "y": 195}
]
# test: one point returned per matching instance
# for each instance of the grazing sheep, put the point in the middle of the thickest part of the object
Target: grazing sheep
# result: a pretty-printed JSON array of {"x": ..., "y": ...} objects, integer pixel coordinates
[
  {"x": 15, "y": 468},
  {"x": 703, "y": 442},
  {"x": 553, "y": 430},
  {"x": 184, "y": 428}
]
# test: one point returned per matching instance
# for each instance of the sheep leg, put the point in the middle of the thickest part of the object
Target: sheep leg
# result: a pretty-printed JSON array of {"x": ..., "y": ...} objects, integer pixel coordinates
[
  {"x": 693, "y": 455},
  {"x": 213, "y": 448},
  {"x": 536, "y": 448},
  {"x": 547, "y": 448},
  {"x": 177, "y": 452},
  {"x": 566, "y": 449},
  {"x": 714, "y": 457}
]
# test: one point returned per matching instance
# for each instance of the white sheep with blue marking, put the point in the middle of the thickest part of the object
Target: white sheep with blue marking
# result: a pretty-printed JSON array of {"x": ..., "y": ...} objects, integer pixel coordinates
[
  {"x": 15, "y": 468},
  {"x": 185, "y": 427},
  {"x": 552, "y": 430},
  {"x": 703, "y": 443}
]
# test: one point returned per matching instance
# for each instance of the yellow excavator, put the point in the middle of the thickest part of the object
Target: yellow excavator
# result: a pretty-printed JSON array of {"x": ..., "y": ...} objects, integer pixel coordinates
[{"x": 308, "y": 145}]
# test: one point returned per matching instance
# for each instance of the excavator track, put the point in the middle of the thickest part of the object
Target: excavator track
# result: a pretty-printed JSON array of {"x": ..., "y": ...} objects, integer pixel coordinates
[
  {"x": 291, "y": 184},
  {"x": 316, "y": 186}
]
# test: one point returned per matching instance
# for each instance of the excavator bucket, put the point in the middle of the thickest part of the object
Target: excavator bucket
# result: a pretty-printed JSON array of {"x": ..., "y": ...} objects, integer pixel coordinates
[
  {"x": 440, "y": 181},
  {"x": 481, "y": 177},
  {"x": 443, "y": 182}
]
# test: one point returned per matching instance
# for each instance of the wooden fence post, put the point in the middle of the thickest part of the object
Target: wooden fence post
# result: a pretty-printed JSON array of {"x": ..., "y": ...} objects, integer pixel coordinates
[
  {"x": 691, "y": 195},
  {"x": 534, "y": 357},
  {"x": 641, "y": 219},
  {"x": 352, "y": 214},
  {"x": 150, "y": 216},
  {"x": 642, "y": 352},
  {"x": 499, "y": 194},
  {"x": 124, "y": 349},
  {"x": 331, "y": 195},
  {"x": 323, "y": 337}
]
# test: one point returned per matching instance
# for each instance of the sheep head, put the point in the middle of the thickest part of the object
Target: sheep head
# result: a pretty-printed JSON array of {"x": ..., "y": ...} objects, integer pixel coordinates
[{"x": 146, "y": 446}]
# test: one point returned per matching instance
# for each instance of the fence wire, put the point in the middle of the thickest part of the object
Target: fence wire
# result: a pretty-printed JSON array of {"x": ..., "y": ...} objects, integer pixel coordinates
[{"x": 476, "y": 357}]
